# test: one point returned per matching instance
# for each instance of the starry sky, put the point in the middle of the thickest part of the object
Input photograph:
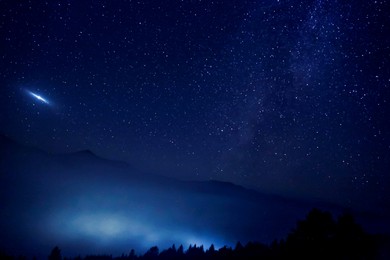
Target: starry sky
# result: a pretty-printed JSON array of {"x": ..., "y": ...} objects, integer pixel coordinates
[{"x": 286, "y": 97}]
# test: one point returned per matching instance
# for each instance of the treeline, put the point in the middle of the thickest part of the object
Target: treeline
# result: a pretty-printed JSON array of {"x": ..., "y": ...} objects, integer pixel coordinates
[{"x": 319, "y": 236}]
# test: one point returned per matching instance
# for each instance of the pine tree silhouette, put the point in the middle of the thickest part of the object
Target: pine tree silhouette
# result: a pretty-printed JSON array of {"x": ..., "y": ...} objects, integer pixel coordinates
[{"x": 55, "y": 254}]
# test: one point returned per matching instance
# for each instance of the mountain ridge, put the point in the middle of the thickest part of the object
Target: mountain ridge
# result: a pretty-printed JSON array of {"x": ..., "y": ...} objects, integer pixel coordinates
[
  {"x": 81, "y": 196},
  {"x": 205, "y": 185}
]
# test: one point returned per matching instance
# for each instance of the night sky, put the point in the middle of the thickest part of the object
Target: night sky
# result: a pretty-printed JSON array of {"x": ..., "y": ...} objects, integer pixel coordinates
[{"x": 286, "y": 97}]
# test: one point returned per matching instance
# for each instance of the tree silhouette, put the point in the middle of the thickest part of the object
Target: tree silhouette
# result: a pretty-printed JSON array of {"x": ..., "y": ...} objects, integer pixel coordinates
[
  {"x": 180, "y": 250},
  {"x": 210, "y": 253},
  {"x": 318, "y": 236},
  {"x": 55, "y": 254},
  {"x": 132, "y": 255},
  {"x": 195, "y": 252},
  {"x": 170, "y": 253},
  {"x": 225, "y": 252},
  {"x": 351, "y": 240},
  {"x": 152, "y": 253}
]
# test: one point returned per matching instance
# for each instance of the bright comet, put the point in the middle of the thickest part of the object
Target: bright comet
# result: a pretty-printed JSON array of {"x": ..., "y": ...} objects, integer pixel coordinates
[{"x": 38, "y": 97}]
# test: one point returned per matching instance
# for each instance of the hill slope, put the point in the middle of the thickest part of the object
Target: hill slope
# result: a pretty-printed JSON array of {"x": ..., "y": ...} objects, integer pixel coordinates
[{"x": 85, "y": 204}]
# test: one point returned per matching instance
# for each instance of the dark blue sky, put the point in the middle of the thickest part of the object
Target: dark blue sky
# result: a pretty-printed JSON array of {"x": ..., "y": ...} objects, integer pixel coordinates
[{"x": 288, "y": 97}]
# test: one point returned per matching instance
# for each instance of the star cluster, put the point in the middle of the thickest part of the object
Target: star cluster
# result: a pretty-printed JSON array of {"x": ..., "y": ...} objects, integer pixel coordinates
[{"x": 288, "y": 97}]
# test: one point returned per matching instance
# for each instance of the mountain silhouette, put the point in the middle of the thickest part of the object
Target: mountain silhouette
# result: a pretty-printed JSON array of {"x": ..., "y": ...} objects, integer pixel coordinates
[{"x": 83, "y": 203}]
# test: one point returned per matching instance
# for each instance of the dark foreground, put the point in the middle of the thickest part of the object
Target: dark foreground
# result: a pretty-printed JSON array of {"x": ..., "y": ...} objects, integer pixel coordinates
[{"x": 319, "y": 236}]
